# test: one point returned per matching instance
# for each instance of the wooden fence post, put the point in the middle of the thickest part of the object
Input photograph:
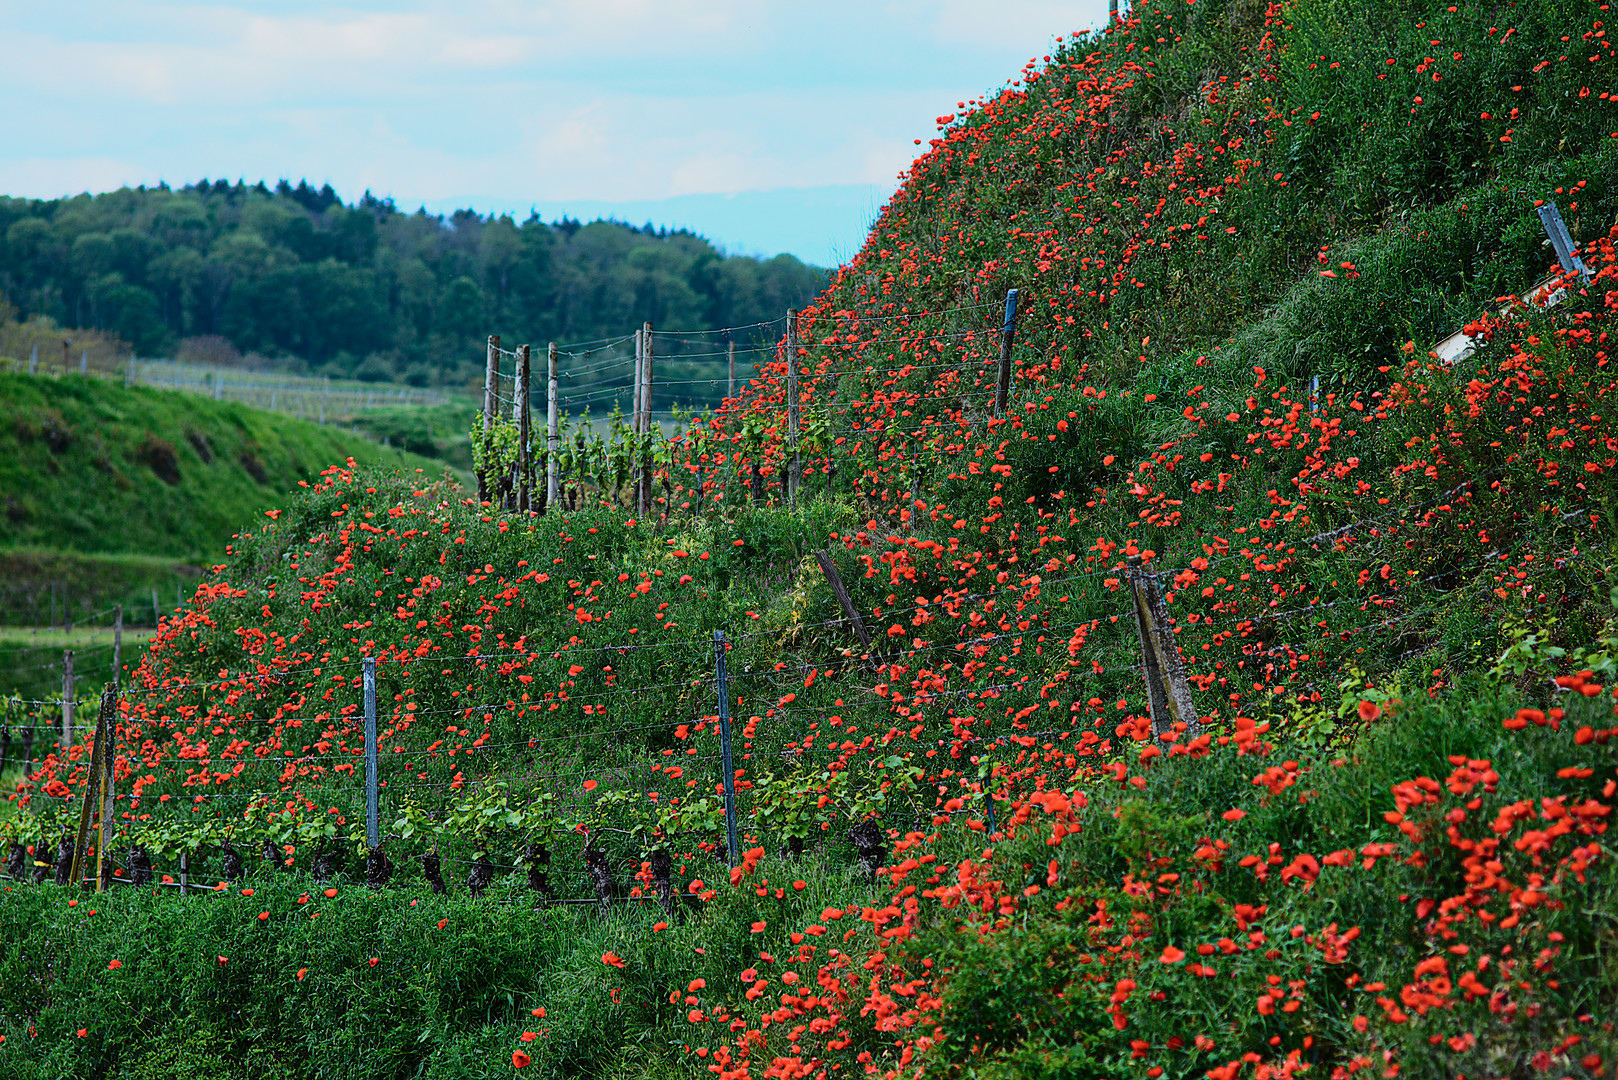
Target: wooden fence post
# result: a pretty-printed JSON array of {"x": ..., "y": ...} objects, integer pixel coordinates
[
  {"x": 67, "y": 701},
  {"x": 1168, "y": 691},
  {"x": 730, "y": 356},
  {"x": 553, "y": 439},
  {"x": 1008, "y": 333},
  {"x": 793, "y": 464},
  {"x": 835, "y": 580},
  {"x": 520, "y": 409},
  {"x": 90, "y": 791},
  {"x": 491, "y": 379}
]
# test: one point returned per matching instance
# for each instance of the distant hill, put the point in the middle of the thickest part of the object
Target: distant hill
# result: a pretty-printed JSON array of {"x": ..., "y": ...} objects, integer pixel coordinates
[
  {"x": 91, "y": 467},
  {"x": 365, "y": 289}
]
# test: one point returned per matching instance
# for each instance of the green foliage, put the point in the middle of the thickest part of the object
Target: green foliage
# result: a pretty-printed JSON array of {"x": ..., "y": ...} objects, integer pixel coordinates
[
  {"x": 365, "y": 290},
  {"x": 434, "y": 431}
]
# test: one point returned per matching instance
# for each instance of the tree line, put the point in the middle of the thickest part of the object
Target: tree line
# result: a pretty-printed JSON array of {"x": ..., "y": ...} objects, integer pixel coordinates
[{"x": 297, "y": 276}]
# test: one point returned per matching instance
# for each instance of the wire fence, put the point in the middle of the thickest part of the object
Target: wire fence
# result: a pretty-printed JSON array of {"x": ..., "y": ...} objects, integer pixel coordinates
[
  {"x": 627, "y": 757},
  {"x": 620, "y": 767}
]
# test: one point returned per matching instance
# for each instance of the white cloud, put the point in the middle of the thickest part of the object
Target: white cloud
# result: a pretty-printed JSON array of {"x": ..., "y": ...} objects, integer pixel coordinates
[
  {"x": 1006, "y": 24},
  {"x": 504, "y": 99}
]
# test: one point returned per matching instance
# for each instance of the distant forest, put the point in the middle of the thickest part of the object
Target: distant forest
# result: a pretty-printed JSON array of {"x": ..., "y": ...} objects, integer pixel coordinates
[{"x": 364, "y": 290}]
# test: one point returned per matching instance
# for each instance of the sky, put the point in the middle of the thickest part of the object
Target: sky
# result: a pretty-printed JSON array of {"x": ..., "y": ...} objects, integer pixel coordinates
[{"x": 767, "y": 126}]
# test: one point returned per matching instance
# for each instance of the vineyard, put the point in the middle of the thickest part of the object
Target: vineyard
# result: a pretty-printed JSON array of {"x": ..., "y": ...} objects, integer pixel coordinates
[{"x": 813, "y": 738}]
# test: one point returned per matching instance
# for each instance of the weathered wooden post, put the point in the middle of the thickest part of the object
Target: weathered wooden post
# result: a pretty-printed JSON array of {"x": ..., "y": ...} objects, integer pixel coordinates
[
  {"x": 839, "y": 590},
  {"x": 1168, "y": 691},
  {"x": 553, "y": 439},
  {"x": 491, "y": 379},
  {"x": 90, "y": 790},
  {"x": 1008, "y": 334},
  {"x": 520, "y": 408}
]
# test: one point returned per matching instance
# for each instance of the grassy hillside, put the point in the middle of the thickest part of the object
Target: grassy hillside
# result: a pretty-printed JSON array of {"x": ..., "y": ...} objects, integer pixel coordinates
[
  {"x": 89, "y": 466},
  {"x": 1377, "y": 847}
]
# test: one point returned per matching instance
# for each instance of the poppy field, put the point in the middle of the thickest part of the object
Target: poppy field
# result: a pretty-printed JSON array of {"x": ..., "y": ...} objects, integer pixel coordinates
[{"x": 1234, "y": 230}]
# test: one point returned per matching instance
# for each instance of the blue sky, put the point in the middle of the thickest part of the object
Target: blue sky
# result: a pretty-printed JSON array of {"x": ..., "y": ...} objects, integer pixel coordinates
[{"x": 767, "y": 126}]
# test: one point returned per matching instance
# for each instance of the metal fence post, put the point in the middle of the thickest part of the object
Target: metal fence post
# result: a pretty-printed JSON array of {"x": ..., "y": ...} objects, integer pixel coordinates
[
  {"x": 732, "y": 852},
  {"x": 67, "y": 701},
  {"x": 646, "y": 466},
  {"x": 372, "y": 836},
  {"x": 793, "y": 463}
]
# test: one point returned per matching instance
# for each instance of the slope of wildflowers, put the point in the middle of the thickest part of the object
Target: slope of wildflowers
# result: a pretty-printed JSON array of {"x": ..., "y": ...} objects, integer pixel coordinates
[{"x": 1382, "y": 847}]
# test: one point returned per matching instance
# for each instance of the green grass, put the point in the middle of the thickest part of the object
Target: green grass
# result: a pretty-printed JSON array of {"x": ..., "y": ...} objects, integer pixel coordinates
[
  {"x": 89, "y": 466},
  {"x": 440, "y": 432},
  {"x": 31, "y": 660}
]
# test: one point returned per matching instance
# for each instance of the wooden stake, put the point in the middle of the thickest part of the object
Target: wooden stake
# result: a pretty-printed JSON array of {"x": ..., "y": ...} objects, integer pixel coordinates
[
  {"x": 1008, "y": 333},
  {"x": 491, "y": 379},
  {"x": 843, "y": 600},
  {"x": 67, "y": 701},
  {"x": 794, "y": 465},
  {"x": 520, "y": 408},
  {"x": 1168, "y": 691},
  {"x": 553, "y": 439},
  {"x": 90, "y": 793}
]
